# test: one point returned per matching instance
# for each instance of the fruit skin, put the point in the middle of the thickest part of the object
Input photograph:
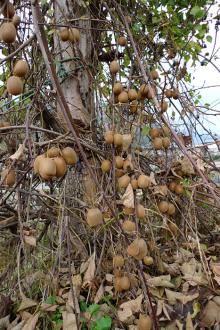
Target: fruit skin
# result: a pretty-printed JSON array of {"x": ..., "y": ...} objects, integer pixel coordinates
[
  {"x": 74, "y": 35},
  {"x": 171, "y": 209},
  {"x": 179, "y": 188},
  {"x": 137, "y": 249},
  {"x": 118, "y": 140},
  {"x": 106, "y": 166},
  {"x": 16, "y": 20},
  {"x": 128, "y": 226},
  {"x": 140, "y": 211},
  {"x": 134, "y": 106},
  {"x": 64, "y": 34},
  {"x": 119, "y": 162},
  {"x": 145, "y": 322},
  {"x": 14, "y": 85},
  {"x": 132, "y": 94},
  {"x": 163, "y": 206},
  {"x": 168, "y": 93},
  {"x": 127, "y": 166},
  {"x": 94, "y": 217},
  {"x": 8, "y": 32},
  {"x": 119, "y": 172},
  {"x": 123, "y": 181},
  {"x": 166, "y": 142},
  {"x": 154, "y": 132},
  {"x": 175, "y": 94},
  {"x": 47, "y": 168},
  {"x": 158, "y": 143},
  {"x": 117, "y": 284},
  {"x": 144, "y": 90},
  {"x": 114, "y": 67},
  {"x": 166, "y": 131},
  {"x": 123, "y": 97},
  {"x": 154, "y": 74},
  {"x": 37, "y": 162},
  {"x": 61, "y": 167},
  {"x": 125, "y": 283},
  {"x": 21, "y": 68},
  {"x": 172, "y": 186},
  {"x": 128, "y": 210},
  {"x": 53, "y": 152},
  {"x": 163, "y": 106},
  {"x": 118, "y": 261},
  {"x": 109, "y": 137},
  {"x": 9, "y": 10},
  {"x": 69, "y": 155},
  {"x": 148, "y": 261},
  {"x": 143, "y": 181},
  {"x": 9, "y": 177},
  {"x": 117, "y": 88},
  {"x": 134, "y": 184},
  {"x": 122, "y": 41}
]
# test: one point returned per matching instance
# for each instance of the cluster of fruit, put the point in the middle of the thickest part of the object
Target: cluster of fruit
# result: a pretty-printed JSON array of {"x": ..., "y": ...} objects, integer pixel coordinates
[
  {"x": 8, "y": 30},
  {"x": 71, "y": 34},
  {"x": 15, "y": 83},
  {"x": 160, "y": 137}
]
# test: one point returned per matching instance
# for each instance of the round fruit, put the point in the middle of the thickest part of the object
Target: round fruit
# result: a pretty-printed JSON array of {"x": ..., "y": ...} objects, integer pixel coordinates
[
  {"x": 119, "y": 162},
  {"x": 134, "y": 184},
  {"x": 53, "y": 152},
  {"x": 171, "y": 209},
  {"x": 148, "y": 261},
  {"x": 144, "y": 90},
  {"x": 74, "y": 35},
  {"x": 163, "y": 106},
  {"x": 119, "y": 172},
  {"x": 172, "y": 227},
  {"x": 118, "y": 261},
  {"x": 16, "y": 20},
  {"x": 125, "y": 283},
  {"x": 69, "y": 156},
  {"x": 61, "y": 167},
  {"x": 8, "y": 177},
  {"x": 179, "y": 189},
  {"x": 145, "y": 322},
  {"x": 123, "y": 97},
  {"x": 8, "y": 32},
  {"x": 106, "y": 166},
  {"x": 140, "y": 211},
  {"x": 127, "y": 166},
  {"x": 114, "y": 67},
  {"x": 168, "y": 93},
  {"x": 64, "y": 34},
  {"x": 94, "y": 217},
  {"x": 158, "y": 143},
  {"x": 175, "y": 94},
  {"x": 127, "y": 140},
  {"x": 166, "y": 131},
  {"x": 143, "y": 250},
  {"x": 123, "y": 181},
  {"x": 117, "y": 88},
  {"x": 151, "y": 93},
  {"x": 128, "y": 210},
  {"x": 163, "y": 206},
  {"x": 166, "y": 142},
  {"x": 118, "y": 140},
  {"x": 154, "y": 74},
  {"x": 9, "y": 10},
  {"x": 132, "y": 94},
  {"x": 143, "y": 181},
  {"x": 134, "y": 106},
  {"x": 172, "y": 186},
  {"x": 133, "y": 249},
  {"x": 109, "y": 137},
  {"x": 47, "y": 168},
  {"x": 37, "y": 162},
  {"x": 128, "y": 226},
  {"x": 117, "y": 284},
  {"x": 122, "y": 41},
  {"x": 20, "y": 68},
  {"x": 154, "y": 132},
  {"x": 14, "y": 85}
]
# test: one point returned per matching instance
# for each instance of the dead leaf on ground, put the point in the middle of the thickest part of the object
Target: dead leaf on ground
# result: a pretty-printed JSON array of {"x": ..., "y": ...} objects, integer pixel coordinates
[
  {"x": 172, "y": 296},
  {"x": 186, "y": 166},
  {"x": 26, "y": 303},
  {"x": 4, "y": 322},
  {"x": 31, "y": 322},
  {"x": 152, "y": 178},
  {"x": 161, "y": 190},
  {"x": 48, "y": 307},
  {"x": 19, "y": 153},
  {"x": 99, "y": 294},
  {"x": 210, "y": 315},
  {"x": 90, "y": 272},
  {"x": 127, "y": 309},
  {"x": 30, "y": 240},
  {"x": 192, "y": 272},
  {"x": 160, "y": 281},
  {"x": 128, "y": 197},
  {"x": 189, "y": 323},
  {"x": 69, "y": 321}
]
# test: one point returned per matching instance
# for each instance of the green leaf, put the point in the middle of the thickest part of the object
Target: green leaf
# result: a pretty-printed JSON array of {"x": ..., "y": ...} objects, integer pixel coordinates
[
  {"x": 145, "y": 130},
  {"x": 83, "y": 306},
  {"x": 51, "y": 300},
  {"x": 104, "y": 323},
  {"x": 209, "y": 38},
  {"x": 93, "y": 309},
  {"x": 197, "y": 12}
]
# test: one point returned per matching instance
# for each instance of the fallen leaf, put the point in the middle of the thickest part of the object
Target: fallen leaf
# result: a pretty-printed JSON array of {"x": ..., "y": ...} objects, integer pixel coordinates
[
  {"x": 48, "y": 307},
  {"x": 189, "y": 323},
  {"x": 161, "y": 190},
  {"x": 31, "y": 322},
  {"x": 77, "y": 283},
  {"x": 69, "y": 321},
  {"x": 192, "y": 272},
  {"x": 4, "y": 322},
  {"x": 128, "y": 197},
  {"x": 152, "y": 178},
  {"x": 215, "y": 267},
  {"x": 161, "y": 281},
  {"x": 210, "y": 315},
  {"x": 30, "y": 240},
  {"x": 90, "y": 272},
  {"x": 124, "y": 315},
  {"x": 19, "y": 153},
  {"x": 99, "y": 294},
  {"x": 186, "y": 166},
  {"x": 200, "y": 164},
  {"x": 172, "y": 296},
  {"x": 26, "y": 303},
  {"x": 128, "y": 308}
]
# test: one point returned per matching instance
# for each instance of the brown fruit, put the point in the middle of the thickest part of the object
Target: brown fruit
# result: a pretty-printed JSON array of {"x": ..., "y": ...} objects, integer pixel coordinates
[
  {"x": 128, "y": 226},
  {"x": 140, "y": 211},
  {"x": 154, "y": 74},
  {"x": 119, "y": 162},
  {"x": 37, "y": 162},
  {"x": 175, "y": 94},
  {"x": 172, "y": 186},
  {"x": 122, "y": 41},
  {"x": 106, "y": 166},
  {"x": 8, "y": 177},
  {"x": 144, "y": 90},
  {"x": 109, "y": 137},
  {"x": 163, "y": 206},
  {"x": 171, "y": 209},
  {"x": 179, "y": 188},
  {"x": 94, "y": 217},
  {"x": 166, "y": 131},
  {"x": 69, "y": 155},
  {"x": 163, "y": 106},
  {"x": 74, "y": 35},
  {"x": 127, "y": 166},
  {"x": 61, "y": 167},
  {"x": 123, "y": 181},
  {"x": 123, "y": 97},
  {"x": 133, "y": 249},
  {"x": 21, "y": 68},
  {"x": 117, "y": 88},
  {"x": 172, "y": 227},
  {"x": 8, "y": 32},
  {"x": 16, "y": 20},
  {"x": 119, "y": 172},
  {"x": 132, "y": 94},
  {"x": 168, "y": 93},
  {"x": 134, "y": 106},
  {"x": 134, "y": 184},
  {"x": 125, "y": 283},
  {"x": 14, "y": 85},
  {"x": 64, "y": 34},
  {"x": 114, "y": 67},
  {"x": 154, "y": 132},
  {"x": 143, "y": 181},
  {"x": 148, "y": 261},
  {"x": 53, "y": 152},
  {"x": 128, "y": 210},
  {"x": 118, "y": 261},
  {"x": 143, "y": 250},
  {"x": 151, "y": 93},
  {"x": 47, "y": 168},
  {"x": 166, "y": 142},
  {"x": 118, "y": 140},
  {"x": 9, "y": 10},
  {"x": 145, "y": 322},
  {"x": 117, "y": 284},
  {"x": 158, "y": 143}
]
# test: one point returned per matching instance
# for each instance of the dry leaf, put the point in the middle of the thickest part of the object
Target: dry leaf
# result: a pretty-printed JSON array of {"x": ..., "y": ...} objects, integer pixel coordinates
[
  {"x": 128, "y": 308},
  {"x": 161, "y": 281},
  {"x": 30, "y": 240},
  {"x": 186, "y": 166},
  {"x": 90, "y": 272},
  {"x": 19, "y": 153},
  {"x": 189, "y": 323},
  {"x": 215, "y": 267},
  {"x": 26, "y": 303},
  {"x": 172, "y": 296},
  {"x": 192, "y": 272},
  {"x": 200, "y": 164},
  {"x": 210, "y": 315},
  {"x": 152, "y": 178},
  {"x": 128, "y": 197},
  {"x": 31, "y": 322},
  {"x": 77, "y": 283},
  {"x": 161, "y": 190},
  {"x": 172, "y": 269},
  {"x": 124, "y": 315},
  {"x": 48, "y": 307},
  {"x": 4, "y": 322},
  {"x": 99, "y": 294},
  {"x": 69, "y": 321}
]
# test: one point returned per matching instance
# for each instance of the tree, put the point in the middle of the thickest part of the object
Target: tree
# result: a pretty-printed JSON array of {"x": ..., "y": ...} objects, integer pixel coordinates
[{"x": 94, "y": 165}]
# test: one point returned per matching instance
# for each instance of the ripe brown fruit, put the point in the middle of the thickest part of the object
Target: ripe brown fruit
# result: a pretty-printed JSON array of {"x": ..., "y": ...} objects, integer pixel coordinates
[
  {"x": 132, "y": 94},
  {"x": 94, "y": 217},
  {"x": 134, "y": 184},
  {"x": 125, "y": 283},
  {"x": 123, "y": 97},
  {"x": 117, "y": 88},
  {"x": 168, "y": 93},
  {"x": 64, "y": 34},
  {"x": 14, "y": 85},
  {"x": 47, "y": 168},
  {"x": 117, "y": 284},
  {"x": 145, "y": 322},
  {"x": 16, "y": 20},
  {"x": 151, "y": 93},
  {"x": 53, "y": 152},
  {"x": 8, "y": 32},
  {"x": 127, "y": 166},
  {"x": 137, "y": 249},
  {"x": 133, "y": 249},
  {"x": 166, "y": 142},
  {"x": 9, "y": 10},
  {"x": 175, "y": 94},
  {"x": 128, "y": 210},
  {"x": 163, "y": 206},
  {"x": 143, "y": 181},
  {"x": 122, "y": 41},
  {"x": 61, "y": 167},
  {"x": 148, "y": 261},
  {"x": 154, "y": 132},
  {"x": 118, "y": 140},
  {"x": 119, "y": 172},
  {"x": 74, "y": 35},
  {"x": 163, "y": 106},
  {"x": 154, "y": 74},
  {"x": 114, "y": 67},
  {"x": 8, "y": 177},
  {"x": 109, "y": 137},
  {"x": 21, "y": 68},
  {"x": 106, "y": 166},
  {"x": 128, "y": 226},
  {"x": 144, "y": 90},
  {"x": 37, "y": 162},
  {"x": 123, "y": 181},
  {"x": 118, "y": 261},
  {"x": 140, "y": 211},
  {"x": 134, "y": 106},
  {"x": 172, "y": 186},
  {"x": 179, "y": 188},
  {"x": 171, "y": 209},
  {"x": 158, "y": 143},
  {"x": 69, "y": 155},
  {"x": 119, "y": 162},
  {"x": 172, "y": 227},
  {"x": 166, "y": 131}
]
